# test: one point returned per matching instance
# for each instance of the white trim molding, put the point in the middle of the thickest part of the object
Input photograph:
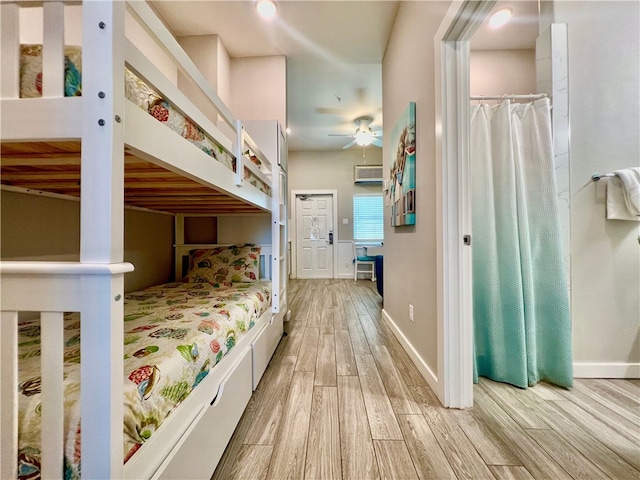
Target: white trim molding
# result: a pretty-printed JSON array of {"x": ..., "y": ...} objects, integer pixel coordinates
[
  {"x": 418, "y": 361},
  {"x": 454, "y": 287},
  {"x": 606, "y": 370},
  {"x": 345, "y": 258}
]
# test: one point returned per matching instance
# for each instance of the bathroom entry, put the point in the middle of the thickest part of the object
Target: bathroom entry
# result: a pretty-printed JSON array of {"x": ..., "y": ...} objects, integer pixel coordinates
[
  {"x": 456, "y": 351},
  {"x": 522, "y": 324}
]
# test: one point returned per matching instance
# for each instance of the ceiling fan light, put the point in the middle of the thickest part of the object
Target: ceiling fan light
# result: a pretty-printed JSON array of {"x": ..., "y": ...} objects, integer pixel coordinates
[
  {"x": 364, "y": 138},
  {"x": 266, "y": 8}
]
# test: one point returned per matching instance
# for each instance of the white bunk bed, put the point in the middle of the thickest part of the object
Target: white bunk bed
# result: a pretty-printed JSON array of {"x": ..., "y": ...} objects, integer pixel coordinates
[{"x": 115, "y": 150}]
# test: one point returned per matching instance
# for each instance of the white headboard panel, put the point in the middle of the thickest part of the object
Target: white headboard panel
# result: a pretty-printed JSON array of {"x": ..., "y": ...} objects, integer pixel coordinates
[{"x": 182, "y": 258}]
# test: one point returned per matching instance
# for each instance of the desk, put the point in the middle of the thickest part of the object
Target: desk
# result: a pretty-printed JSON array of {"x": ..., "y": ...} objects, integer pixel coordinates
[
  {"x": 369, "y": 248},
  {"x": 373, "y": 250}
]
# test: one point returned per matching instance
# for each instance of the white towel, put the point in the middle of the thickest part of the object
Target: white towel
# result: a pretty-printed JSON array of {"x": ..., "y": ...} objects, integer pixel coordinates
[
  {"x": 623, "y": 195},
  {"x": 631, "y": 188}
]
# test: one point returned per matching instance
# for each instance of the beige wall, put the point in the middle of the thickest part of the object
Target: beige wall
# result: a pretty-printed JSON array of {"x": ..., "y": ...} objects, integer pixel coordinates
[
  {"x": 499, "y": 72},
  {"x": 148, "y": 46},
  {"x": 245, "y": 229},
  {"x": 31, "y": 25},
  {"x": 148, "y": 244},
  {"x": 333, "y": 171},
  {"x": 410, "y": 251},
  {"x": 211, "y": 58},
  {"x": 47, "y": 229},
  {"x": 33, "y": 227},
  {"x": 259, "y": 88},
  {"x": 604, "y": 74},
  {"x": 224, "y": 73}
]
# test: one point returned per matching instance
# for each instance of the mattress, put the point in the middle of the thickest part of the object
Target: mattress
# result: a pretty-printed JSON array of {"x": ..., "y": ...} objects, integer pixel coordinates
[
  {"x": 137, "y": 92},
  {"x": 174, "y": 334}
]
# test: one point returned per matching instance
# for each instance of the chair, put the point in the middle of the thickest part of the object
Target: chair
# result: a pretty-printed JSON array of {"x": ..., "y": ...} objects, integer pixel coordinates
[{"x": 361, "y": 259}]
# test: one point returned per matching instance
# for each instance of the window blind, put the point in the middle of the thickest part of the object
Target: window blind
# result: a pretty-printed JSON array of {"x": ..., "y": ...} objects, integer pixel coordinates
[{"x": 368, "y": 217}]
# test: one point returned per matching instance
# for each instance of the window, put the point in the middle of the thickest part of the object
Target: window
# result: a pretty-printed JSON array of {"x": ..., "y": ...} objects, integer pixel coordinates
[{"x": 368, "y": 215}]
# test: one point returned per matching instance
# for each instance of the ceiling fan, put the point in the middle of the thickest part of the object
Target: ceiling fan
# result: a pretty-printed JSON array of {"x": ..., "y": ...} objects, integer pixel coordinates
[{"x": 364, "y": 136}]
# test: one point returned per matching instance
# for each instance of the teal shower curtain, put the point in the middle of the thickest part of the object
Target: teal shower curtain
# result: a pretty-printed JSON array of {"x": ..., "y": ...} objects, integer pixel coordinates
[{"x": 520, "y": 298}]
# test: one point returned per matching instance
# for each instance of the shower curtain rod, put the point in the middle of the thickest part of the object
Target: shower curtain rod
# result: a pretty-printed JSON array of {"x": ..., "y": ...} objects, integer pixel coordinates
[{"x": 531, "y": 96}]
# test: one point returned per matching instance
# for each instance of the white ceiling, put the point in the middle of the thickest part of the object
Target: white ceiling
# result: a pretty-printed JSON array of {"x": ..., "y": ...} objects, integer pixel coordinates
[
  {"x": 519, "y": 33},
  {"x": 334, "y": 53}
]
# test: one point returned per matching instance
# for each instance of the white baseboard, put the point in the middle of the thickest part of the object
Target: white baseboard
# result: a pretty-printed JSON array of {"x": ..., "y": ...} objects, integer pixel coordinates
[
  {"x": 418, "y": 361},
  {"x": 345, "y": 275},
  {"x": 606, "y": 370}
]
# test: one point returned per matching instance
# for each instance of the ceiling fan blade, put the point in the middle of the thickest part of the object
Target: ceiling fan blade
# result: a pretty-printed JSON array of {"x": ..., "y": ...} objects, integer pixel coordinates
[
  {"x": 377, "y": 142},
  {"x": 339, "y": 112},
  {"x": 340, "y": 134},
  {"x": 349, "y": 145}
]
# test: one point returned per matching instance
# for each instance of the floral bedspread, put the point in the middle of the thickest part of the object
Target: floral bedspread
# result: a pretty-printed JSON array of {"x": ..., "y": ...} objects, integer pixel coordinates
[
  {"x": 166, "y": 113},
  {"x": 174, "y": 334},
  {"x": 136, "y": 91}
]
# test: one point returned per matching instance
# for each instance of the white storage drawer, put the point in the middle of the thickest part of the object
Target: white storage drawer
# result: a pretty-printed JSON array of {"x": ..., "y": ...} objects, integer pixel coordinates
[
  {"x": 209, "y": 434},
  {"x": 264, "y": 345}
]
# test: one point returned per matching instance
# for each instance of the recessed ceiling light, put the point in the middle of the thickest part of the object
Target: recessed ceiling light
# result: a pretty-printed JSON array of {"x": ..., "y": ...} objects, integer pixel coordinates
[
  {"x": 499, "y": 18},
  {"x": 266, "y": 8},
  {"x": 288, "y": 130}
]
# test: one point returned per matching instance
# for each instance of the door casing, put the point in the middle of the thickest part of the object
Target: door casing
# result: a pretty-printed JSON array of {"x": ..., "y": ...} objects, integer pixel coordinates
[
  {"x": 293, "y": 227},
  {"x": 453, "y": 205}
]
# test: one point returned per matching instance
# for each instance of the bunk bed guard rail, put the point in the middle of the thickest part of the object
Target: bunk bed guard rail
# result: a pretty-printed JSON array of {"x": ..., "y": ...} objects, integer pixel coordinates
[{"x": 52, "y": 288}]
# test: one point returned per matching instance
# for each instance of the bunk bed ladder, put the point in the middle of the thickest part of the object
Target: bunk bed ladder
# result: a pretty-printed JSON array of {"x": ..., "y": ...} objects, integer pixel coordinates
[
  {"x": 275, "y": 238},
  {"x": 102, "y": 238}
]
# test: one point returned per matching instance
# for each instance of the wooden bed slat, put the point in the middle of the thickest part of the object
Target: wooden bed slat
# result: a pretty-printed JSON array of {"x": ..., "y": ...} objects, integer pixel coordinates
[
  {"x": 55, "y": 167},
  {"x": 40, "y": 148}
]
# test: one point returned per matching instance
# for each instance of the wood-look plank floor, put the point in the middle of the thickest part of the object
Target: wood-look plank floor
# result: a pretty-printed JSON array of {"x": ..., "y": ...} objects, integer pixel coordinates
[{"x": 342, "y": 400}]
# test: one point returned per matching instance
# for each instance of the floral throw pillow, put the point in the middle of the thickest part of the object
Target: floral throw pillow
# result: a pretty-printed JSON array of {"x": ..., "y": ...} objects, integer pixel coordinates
[{"x": 224, "y": 265}]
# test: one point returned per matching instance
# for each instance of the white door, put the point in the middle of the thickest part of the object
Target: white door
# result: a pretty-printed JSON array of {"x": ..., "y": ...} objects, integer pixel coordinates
[{"x": 314, "y": 236}]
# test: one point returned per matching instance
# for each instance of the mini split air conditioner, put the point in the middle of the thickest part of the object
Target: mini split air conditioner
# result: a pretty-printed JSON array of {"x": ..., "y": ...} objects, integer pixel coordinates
[{"x": 368, "y": 174}]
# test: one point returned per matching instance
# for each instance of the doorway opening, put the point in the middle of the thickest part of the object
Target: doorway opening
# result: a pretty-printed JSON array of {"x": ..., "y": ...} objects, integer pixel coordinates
[{"x": 455, "y": 315}]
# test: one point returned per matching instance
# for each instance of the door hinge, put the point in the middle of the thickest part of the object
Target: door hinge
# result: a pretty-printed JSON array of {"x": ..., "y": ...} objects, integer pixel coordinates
[{"x": 466, "y": 239}]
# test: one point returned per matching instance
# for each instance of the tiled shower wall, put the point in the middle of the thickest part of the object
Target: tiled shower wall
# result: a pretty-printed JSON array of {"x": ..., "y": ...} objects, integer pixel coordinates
[{"x": 552, "y": 78}]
